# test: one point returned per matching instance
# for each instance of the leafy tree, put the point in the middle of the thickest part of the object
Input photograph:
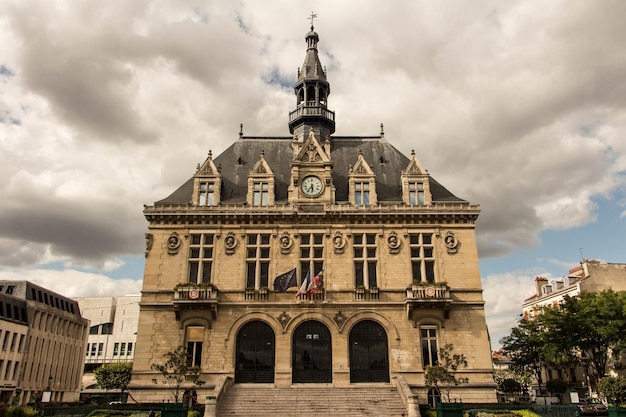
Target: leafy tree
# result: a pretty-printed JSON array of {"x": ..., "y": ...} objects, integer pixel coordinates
[
  {"x": 556, "y": 386},
  {"x": 613, "y": 389},
  {"x": 524, "y": 346},
  {"x": 114, "y": 375},
  {"x": 442, "y": 376},
  {"x": 177, "y": 370},
  {"x": 509, "y": 385}
]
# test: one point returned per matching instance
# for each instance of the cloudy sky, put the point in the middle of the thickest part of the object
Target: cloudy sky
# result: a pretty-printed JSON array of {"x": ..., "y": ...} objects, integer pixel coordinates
[{"x": 109, "y": 105}]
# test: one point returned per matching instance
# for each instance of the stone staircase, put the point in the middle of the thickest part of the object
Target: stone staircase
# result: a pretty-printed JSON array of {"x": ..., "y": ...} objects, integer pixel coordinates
[{"x": 311, "y": 401}]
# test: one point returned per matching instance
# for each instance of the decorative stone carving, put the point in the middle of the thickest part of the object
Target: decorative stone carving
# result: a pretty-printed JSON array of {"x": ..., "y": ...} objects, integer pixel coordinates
[
  {"x": 173, "y": 243},
  {"x": 230, "y": 243},
  {"x": 149, "y": 239},
  {"x": 284, "y": 319},
  {"x": 452, "y": 243},
  {"x": 340, "y": 318},
  {"x": 394, "y": 243},
  {"x": 286, "y": 242},
  {"x": 339, "y": 242}
]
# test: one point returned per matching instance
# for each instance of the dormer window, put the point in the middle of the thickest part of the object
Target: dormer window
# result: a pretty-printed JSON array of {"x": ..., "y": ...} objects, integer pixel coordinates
[
  {"x": 206, "y": 195},
  {"x": 416, "y": 193},
  {"x": 362, "y": 193},
  {"x": 260, "y": 194}
]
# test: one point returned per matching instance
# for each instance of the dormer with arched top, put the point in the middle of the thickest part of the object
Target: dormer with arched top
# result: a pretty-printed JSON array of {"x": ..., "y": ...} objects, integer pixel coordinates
[
  {"x": 261, "y": 184},
  {"x": 207, "y": 184},
  {"x": 362, "y": 183},
  {"x": 416, "y": 184}
]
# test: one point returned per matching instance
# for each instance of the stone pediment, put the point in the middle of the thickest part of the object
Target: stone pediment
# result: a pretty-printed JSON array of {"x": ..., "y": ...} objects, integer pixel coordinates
[
  {"x": 311, "y": 151},
  {"x": 414, "y": 167},
  {"x": 261, "y": 167},
  {"x": 361, "y": 167},
  {"x": 208, "y": 168}
]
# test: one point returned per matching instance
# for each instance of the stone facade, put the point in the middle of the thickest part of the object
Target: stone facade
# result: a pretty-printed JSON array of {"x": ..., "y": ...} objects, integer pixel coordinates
[{"x": 387, "y": 256}]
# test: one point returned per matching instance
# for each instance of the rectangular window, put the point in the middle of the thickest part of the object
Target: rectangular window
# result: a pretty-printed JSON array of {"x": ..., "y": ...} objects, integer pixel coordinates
[
  {"x": 194, "y": 336},
  {"x": 311, "y": 254},
  {"x": 20, "y": 345},
  {"x": 365, "y": 260},
  {"x": 87, "y": 352},
  {"x": 123, "y": 349},
  {"x": 201, "y": 258},
  {"x": 93, "y": 349},
  {"x": 207, "y": 193},
  {"x": 429, "y": 346},
  {"x": 260, "y": 194},
  {"x": 422, "y": 257},
  {"x": 416, "y": 193},
  {"x": 362, "y": 193},
  {"x": 7, "y": 371},
  {"x": 5, "y": 340},
  {"x": 15, "y": 369},
  {"x": 116, "y": 347},
  {"x": 257, "y": 260},
  {"x": 13, "y": 340},
  {"x": 129, "y": 351}
]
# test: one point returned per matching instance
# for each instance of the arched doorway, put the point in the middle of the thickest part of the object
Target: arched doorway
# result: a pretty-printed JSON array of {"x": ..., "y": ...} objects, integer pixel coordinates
[
  {"x": 255, "y": 353},
  {"x": 369, "y": 354},
  {"x": 311, "y": 355}
]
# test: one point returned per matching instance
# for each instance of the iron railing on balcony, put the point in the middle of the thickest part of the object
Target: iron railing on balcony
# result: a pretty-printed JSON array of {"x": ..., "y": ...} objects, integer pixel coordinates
[
  {"x": 195, "y": 292},
  {"x": 427, "y": 292}
]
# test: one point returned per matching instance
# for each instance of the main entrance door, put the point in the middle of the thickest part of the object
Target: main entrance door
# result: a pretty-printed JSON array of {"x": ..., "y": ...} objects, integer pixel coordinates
[
  {"x": 255, "y": 353},
  {"x": 312, "y": 358},
  {"x": 369, "y": 358}
]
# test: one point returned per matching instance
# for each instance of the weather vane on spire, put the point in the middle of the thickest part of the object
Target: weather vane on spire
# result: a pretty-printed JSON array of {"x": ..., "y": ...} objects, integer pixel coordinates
[{"x": 313, "y": 16}]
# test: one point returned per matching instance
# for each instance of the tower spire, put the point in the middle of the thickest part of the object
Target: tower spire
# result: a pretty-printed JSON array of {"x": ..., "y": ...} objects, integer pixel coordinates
[{"x": 312, "y": 90}]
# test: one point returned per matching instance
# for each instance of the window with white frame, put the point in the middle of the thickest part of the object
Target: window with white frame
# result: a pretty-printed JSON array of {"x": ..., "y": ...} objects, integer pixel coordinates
[
  {"x": 362, "y": 193},
  {"x": 257, "y": 260},
  {"x": 365, "y": 260},
  {"x": 260, "y": 192},
  {"x": 416, "y": 193},
  {"x": 206, "y": 193},
  {"x": 428, "y": 336},
  {"x": 422, "y": 257},
  {"x": 194, "y": 336},
  {"x": 200, "y": 258}
]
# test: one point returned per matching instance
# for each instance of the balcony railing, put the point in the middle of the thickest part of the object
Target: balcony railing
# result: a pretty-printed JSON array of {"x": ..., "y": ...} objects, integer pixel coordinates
[
  {"x": 195, "y": 292},
  {"x": 366, "y": 294},
  {"x": 311, "y": 111},
  {"x": 431, "y": 296},
  {"x": 427, "y": 292}
]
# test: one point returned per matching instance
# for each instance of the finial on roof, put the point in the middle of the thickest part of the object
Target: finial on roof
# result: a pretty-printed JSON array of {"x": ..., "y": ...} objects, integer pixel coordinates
[
  {"x": 241, "y": 130},
  {"x": 413, "y": 153},
  {"x": 210, "y": 154},
  {"x": 382, "y": 130},
  {"x": 313, "y": 16}
]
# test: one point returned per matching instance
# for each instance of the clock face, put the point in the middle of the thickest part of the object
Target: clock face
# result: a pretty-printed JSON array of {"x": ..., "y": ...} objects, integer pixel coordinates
[{"x": 312, "y": 186}]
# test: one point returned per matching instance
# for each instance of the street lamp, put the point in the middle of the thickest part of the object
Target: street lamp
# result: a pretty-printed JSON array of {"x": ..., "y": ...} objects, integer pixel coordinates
[{"x": 47, "y": 393}]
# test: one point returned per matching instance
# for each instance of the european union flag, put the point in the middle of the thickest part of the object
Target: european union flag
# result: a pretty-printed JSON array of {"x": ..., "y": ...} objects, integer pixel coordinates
[{"x": 285, "y": 281}]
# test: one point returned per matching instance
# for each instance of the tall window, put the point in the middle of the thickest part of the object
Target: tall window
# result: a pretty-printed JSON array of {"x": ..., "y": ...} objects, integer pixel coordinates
[
  {"x": 311, "y": 254},
  {"x": 416, "y": 193},
  {"x": 200, "y": 258},
  {"x": 207, "y": 193},
  {"x": 362, "y": 193},
  {"x": 365, "y": 260},
  {"x": 116, "y": 347},
  {"x": 422, "y": 257},
  {"x": 260, "y": 194},
  {"x": 100, "y": 347},
  {"x": 257, "y": 260},
  {"x": 429, "y": 346},
  {"x": 194, "y": 336},
  {"x": 129, "y": 351}
]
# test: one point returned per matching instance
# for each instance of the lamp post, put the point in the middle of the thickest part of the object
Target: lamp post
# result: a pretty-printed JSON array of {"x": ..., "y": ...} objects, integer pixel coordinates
[{"x": 47, "y": 393}]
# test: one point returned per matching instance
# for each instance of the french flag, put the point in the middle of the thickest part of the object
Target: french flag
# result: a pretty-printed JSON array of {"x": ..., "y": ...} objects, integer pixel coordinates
[{"x": 305, "y": 284}]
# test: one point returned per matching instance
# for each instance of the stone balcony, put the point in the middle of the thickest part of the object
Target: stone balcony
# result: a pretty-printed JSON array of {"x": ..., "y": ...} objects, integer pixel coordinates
[
  {"x": 195, "y": 296},
  {"x": 427, "y": 296}
]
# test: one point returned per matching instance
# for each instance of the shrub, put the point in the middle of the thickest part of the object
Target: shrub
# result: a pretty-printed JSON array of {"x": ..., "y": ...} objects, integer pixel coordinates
[{"x": 21, "y": 411}]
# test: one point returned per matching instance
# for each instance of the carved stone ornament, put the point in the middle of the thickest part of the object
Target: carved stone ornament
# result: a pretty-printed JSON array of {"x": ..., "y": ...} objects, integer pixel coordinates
[
  {"x": 340, "y": 318},
  {"x": 452, "y": 243},
  {"x": 286, "y": 242},
  {"x": 339, "y": 242},
  {"x": 230, "y": 243},
  {"x": 173, "y": 243},
  {"x": 284, "y": 319},
  {"x": 394, "y": 243},
  {"x": 149, "y": 239}
]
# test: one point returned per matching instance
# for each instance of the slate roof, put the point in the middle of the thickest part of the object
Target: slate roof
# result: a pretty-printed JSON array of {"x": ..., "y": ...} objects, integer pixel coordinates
[{"x": 278, "y": 154}]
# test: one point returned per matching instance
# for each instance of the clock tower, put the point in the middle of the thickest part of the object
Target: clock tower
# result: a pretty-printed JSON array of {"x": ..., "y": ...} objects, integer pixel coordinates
[{"x": 311, "y": 124}]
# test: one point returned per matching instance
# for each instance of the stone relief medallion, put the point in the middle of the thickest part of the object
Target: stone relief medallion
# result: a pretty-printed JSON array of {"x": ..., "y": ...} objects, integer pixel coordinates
[
  {"x": 286, "y": 242},
  {"x": 339, "y": 242},
  {"x": 173, "y": 243},
  {"x": 452, "y": 243},
  {"x": 230, "y": 243},
  {"x": 394, "y": 243},
  {"x": 340, "y": 318},
  {"x": 284, "y": 319},
  {"x": 149, "y": 240}
]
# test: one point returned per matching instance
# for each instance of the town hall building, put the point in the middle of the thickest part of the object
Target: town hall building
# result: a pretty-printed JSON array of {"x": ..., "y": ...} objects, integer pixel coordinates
[{"x": 312, "y": 259}]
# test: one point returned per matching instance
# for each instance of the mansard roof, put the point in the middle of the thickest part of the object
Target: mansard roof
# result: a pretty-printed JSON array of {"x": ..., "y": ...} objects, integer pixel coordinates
[{"x": 238, "y": 160}]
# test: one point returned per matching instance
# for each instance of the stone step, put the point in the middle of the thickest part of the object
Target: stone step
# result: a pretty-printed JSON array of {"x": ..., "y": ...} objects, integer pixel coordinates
[{"x": 244, "y": 400}]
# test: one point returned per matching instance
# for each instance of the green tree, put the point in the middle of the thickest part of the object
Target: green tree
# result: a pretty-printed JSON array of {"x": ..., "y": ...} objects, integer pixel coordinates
[
  {"x": 613, "y": 389},
  {"x": 177, "y": 370},
  {"x": 114, "y": 375},
  {"x": 443, "y": 375},
  {"x": 524, "y": 346}
]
